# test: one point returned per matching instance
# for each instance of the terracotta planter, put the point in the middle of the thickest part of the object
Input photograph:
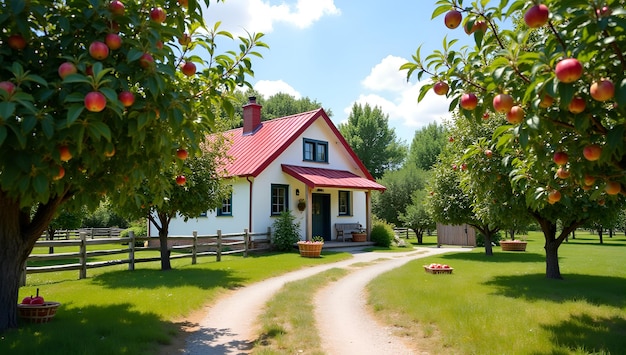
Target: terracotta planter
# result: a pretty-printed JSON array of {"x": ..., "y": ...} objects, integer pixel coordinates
[
  {"x": 513, "y": 245},
  {"x": 359, "y": 237},
  {"x": 310, "y": 250}
]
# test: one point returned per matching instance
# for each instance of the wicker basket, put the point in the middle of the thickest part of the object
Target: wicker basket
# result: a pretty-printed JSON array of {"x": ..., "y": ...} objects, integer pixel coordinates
[
  {"x": 437, "y": 271},
  {"x": 359, "y": 237},
  {"x": 38, "y": 313},
  {"x": 310, "y": 250},
  {"x": 513, "y": 246}
]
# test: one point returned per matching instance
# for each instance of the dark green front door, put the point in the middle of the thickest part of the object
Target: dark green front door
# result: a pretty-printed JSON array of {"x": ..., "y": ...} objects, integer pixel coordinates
[{"x": 321, "y": 216}]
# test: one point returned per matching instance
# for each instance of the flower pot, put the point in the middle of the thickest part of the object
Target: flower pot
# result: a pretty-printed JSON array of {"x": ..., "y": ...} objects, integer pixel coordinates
[
  {"x": 359, "y": 237},
  {"x": 513, "y": 245},
  {"x": 310, "y": 249}
]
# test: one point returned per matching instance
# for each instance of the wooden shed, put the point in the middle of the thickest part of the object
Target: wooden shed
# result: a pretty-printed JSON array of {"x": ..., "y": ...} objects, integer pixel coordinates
[{"x": 463, "y": 235}]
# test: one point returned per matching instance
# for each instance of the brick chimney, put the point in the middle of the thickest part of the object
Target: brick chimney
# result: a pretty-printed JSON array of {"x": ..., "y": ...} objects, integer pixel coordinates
[{"x": 251, "y": 116}]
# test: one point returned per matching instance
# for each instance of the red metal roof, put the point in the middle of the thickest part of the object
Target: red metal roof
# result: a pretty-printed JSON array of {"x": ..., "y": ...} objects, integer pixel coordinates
[
  {"x": 252, "y": 153},
  {"x": 318, "y": 177}
]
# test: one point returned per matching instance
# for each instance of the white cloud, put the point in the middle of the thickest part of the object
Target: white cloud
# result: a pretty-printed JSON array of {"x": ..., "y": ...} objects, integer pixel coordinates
[
  {"x": 398, "y": 98},
  {"x": 271, "y": 87},
  {"x": 386, "y": 75},
  {"x": 260, "y": 16}
]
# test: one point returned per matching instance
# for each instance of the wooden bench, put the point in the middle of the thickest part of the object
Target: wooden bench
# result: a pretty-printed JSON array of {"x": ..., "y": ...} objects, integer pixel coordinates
[{"x": 345, "y": 228}]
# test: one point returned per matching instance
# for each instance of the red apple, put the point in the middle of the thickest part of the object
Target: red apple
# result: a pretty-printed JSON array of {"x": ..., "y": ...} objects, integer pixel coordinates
[
  {"x": 441, "y": 88},
  {"x": 469, "y": 101},
  {"x": 66, "y": 69},
  {"x": 158, "y": 15},
  {"x": 546, "y": 101},
  {"x": 89, "y": 70},
  {"x": 7, "y": 86},
  {"x": 27, "y": 300},
  {"x": 60, "y": 174},
  {"x": 562, "y": 173},
  {"x": 450, "y": 139},
  {"x": 180, "y": 180},
  {"x": 602, "y": 90},
  {"x": 184, "y": 40},
  {"x": 182, "y": 154},
  {"x": 64, "y": 153},
  {"x": 188, "y": 69},
  {"x": 37, "y": 300},
  {"x": 116, "y": 7},
  {"x": 127, "y": 98},
  {"x": 98, "y": 50},
  {"x": 486, "y": 116},
  {"x": 537, "y": 16},
  {"x": 592, "y": 152},
  {"x": 480, "y": 26},
  {"x": 568, "y": 70},
  {"x": 113, "y": 41},
  {"x": 613, "y": 188},
  {"x": 601, "y": 202},
  {"x": 502, "y": 103},
  {"x": 159, "y": 45},
  {"x": 183, "y": 3},
  {"x": 554, "y": 196},
  {"x": 577, "y": 105},
  {"x": 515, "y": 115},
  {"x": 453, "y": 19},
  {"x": 463, "y": 166},
  {"x": 560, "y": 158},
  {"x": 146, "y": 60},
  {"x": 604, "y": 11},
  {"x": 488, "y": 153},
  {"x": 16, "y": 42},
  {"x": 95, "y": 101},
  {"x": 588, "y": 180}
]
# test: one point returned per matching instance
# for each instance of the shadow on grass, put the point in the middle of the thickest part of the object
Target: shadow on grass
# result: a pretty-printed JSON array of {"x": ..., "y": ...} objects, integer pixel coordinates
[
  {"x": 593, "y": 335},
  {"x": 148, "y": 279},
  {"x": 497, "y": 257},
  {"x": 594, "y": 289},
  {"x": 111, "y": 329}
]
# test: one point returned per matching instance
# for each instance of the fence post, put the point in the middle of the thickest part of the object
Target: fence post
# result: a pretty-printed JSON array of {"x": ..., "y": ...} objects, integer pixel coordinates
[
  {"x": 218, "y": 256},
  {"x": 194, "y": 248},
  {"x": 131, "y": 251},
  {"x": 246, "y": 240},
  {"x": 83, "y": 256}
]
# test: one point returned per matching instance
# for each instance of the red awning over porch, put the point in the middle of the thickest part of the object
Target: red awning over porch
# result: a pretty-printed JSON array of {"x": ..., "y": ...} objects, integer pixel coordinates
[{"x": 318, "y": 177}]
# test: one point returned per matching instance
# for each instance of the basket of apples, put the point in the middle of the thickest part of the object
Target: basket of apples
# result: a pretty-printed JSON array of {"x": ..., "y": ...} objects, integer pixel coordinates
[
  {"x": 438, "y": 269},
  {"x": 36, "y": 309}
]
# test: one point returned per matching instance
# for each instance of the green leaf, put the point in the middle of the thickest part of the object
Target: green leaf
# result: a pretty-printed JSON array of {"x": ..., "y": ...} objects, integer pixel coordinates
[
  {"x": 6, "y": 109},
  {"x": 76, "y": 78},
  {"x": 98, "y": 129},
  {"x": 40, "y": 183},
  {"x": 28, "y": 123},
  {"x": 73, "y": 112},
  {"x": 3, "y": 134}
]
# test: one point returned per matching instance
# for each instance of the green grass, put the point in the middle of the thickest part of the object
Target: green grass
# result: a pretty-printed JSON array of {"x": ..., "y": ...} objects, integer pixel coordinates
[
  {"x": 288, "y": 322},
  {"x": 504, "y": 304},
  {"x": 115, "y": 311}
]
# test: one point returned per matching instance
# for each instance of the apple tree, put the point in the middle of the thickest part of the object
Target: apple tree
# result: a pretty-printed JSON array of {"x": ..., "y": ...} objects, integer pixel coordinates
[
  {"x": 95, "y": 99},
  {"x": 198, "y": 186},
  {"x": 559, "y": 80}
]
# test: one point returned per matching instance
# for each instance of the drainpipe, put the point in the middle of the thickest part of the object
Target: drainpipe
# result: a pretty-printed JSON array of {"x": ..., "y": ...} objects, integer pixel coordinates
[{"x": 250, "y": 205}]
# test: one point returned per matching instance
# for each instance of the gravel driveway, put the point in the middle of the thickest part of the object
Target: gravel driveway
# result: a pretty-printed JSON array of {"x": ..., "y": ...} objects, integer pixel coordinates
[{"x": 230, "y": 325}]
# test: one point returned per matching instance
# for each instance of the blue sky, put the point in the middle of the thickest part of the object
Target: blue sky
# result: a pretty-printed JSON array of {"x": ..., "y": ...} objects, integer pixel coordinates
[{"x": 343, "y": 51}]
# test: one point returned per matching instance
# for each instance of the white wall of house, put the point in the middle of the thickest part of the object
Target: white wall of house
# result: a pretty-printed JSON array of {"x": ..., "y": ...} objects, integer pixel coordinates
[{"x": 338, "y": 158}]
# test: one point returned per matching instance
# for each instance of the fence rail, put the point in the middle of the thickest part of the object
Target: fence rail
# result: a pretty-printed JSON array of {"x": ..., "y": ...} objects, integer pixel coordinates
[{"x": 197, "y": 245}]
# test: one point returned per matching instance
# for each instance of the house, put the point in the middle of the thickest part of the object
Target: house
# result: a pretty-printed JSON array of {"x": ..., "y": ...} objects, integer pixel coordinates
[{"x": 300, "y": 163}]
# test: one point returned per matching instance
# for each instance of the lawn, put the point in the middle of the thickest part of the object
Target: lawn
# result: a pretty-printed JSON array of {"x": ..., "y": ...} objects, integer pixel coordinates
[
  {"x": 116, "y": 311},
  {"x": 503, "y": 304}
]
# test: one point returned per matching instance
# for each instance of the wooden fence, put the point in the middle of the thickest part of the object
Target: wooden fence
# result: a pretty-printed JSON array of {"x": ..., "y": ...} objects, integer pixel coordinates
[{"x": 196, "y": 245}]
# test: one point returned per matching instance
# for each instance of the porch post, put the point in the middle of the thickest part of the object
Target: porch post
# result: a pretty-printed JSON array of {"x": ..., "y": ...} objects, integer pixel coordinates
[
  {"x": 309, "y": 213},
  {"x": 368, "y": 213}
]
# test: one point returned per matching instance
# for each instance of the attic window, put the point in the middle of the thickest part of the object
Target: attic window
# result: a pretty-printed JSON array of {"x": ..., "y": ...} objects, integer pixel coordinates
[{"x": 314, "y": 150}]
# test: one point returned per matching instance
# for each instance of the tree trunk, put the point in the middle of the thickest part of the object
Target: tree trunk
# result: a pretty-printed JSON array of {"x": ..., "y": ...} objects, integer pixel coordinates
[
  {"x": 610, "y": 232},
  {"x": 419, "y": 234},
  {"x": 600, "y": 235},
  {"x": 18, "y": 234},
  {"x": 512, "y": 232},
  {"x": 553, "y": 270},
  {"x": 163, "y": 228}
]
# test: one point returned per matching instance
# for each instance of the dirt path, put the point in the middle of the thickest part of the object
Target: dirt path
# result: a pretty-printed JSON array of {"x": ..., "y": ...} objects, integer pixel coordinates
[{"x": 230, "y": 325}]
